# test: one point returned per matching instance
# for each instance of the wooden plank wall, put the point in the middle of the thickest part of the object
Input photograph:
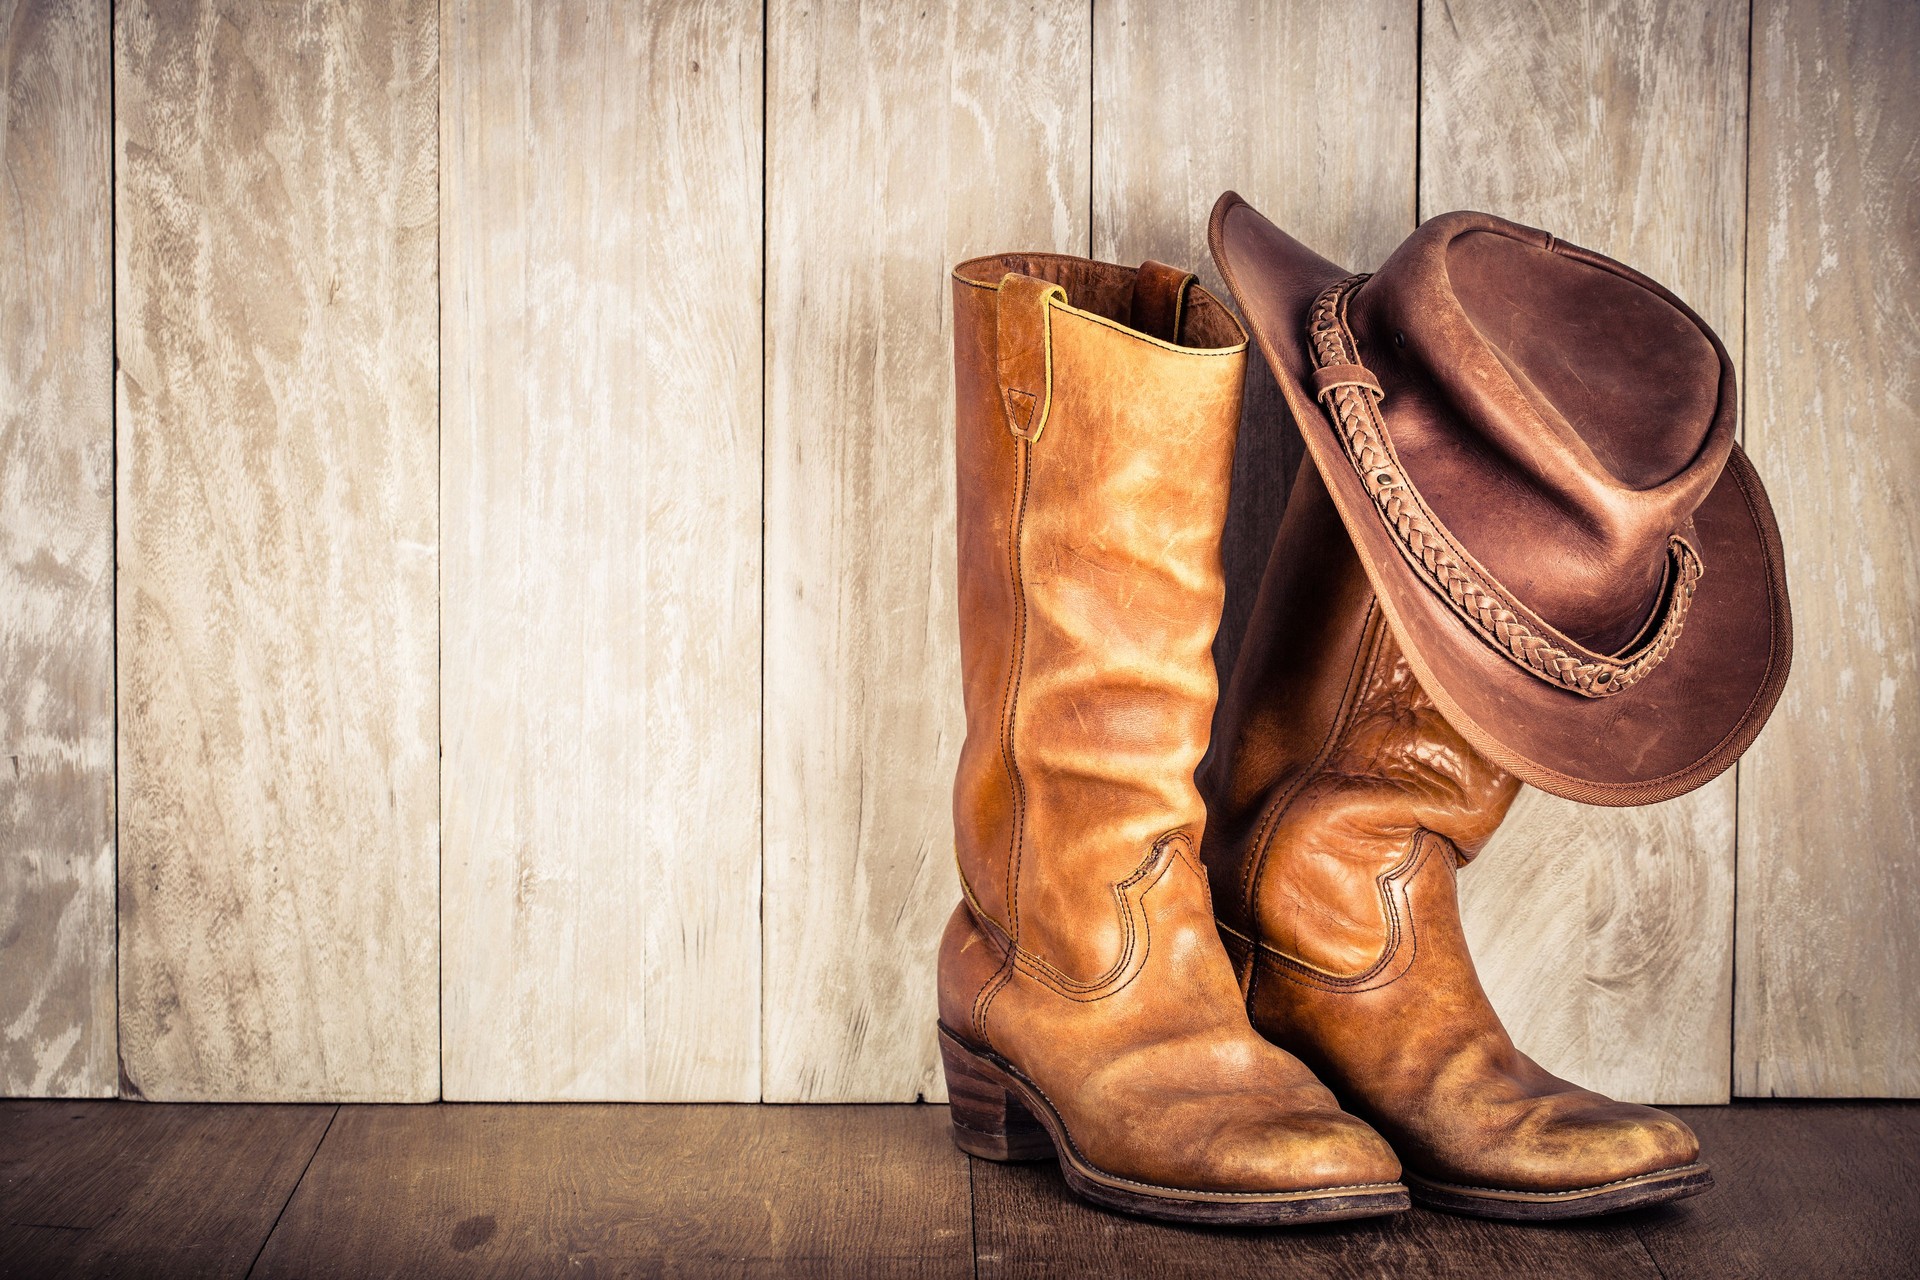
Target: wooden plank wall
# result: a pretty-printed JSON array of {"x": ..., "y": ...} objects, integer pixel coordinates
[
  {"x": 600, "y": 510},
  {"x": 275, "y": 223},
  {"x": 56, "y": 551},
  {"x": 1828, "y": 1000},
  {"x": 530, "y": 459}
]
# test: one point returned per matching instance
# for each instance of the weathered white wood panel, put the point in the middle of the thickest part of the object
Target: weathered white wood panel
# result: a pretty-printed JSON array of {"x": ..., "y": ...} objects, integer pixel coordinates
[
  {"x": 1270, "y": 101},
  {"x": 1828, "y": 1002},
  {"x": 1605, "y": 936},
  {"x": 601, "y": 507},
  {"x": 901, "y": 140},
  {"x": 275, "y": 267},
  {"x": 56, "y": 551}
]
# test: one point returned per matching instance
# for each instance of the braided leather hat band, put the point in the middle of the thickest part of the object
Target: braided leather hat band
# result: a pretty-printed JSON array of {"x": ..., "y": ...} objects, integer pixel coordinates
[{"x": 1352, "y": 395}]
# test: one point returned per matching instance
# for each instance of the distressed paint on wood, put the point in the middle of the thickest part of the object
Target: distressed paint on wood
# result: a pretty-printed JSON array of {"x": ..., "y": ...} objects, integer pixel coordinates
[
  {"x": 901, "y": 141},
  {"x": 274, "y": 266},
  {"x": 1267, "y": 100},
  {"x": 1829, "y": 798},
  {"x": 1605, "y": 936},
  {"x": 56, "y": 551},
  {"x": 601, "y": 488}
]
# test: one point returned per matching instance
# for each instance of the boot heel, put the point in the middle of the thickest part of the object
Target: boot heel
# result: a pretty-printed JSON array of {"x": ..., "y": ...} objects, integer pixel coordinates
[{"x": 988, "y": 1120}]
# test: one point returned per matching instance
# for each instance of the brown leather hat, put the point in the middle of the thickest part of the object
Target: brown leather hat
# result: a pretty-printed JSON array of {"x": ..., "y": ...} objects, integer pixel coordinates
[{"x": 1532, "y": 448}]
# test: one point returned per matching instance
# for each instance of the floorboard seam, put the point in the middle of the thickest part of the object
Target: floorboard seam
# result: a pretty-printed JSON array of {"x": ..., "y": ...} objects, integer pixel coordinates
[
  {"x": 292, "y": 1191},
  {"x": 1646, "y": 1248},
  {"x": 973, "y": 1220}
]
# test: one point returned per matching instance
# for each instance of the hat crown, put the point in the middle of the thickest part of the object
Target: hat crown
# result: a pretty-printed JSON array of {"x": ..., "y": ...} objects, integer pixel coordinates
[{"x": 1562, "y": 415}]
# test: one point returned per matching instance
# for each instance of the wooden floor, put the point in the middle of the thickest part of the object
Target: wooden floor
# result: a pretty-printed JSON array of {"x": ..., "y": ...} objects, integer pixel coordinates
[{"x": 133, "y": 1189}]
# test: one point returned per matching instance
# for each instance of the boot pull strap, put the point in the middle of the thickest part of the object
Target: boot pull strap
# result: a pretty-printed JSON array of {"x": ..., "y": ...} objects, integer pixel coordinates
[
  {"x": 1160, "y": 300},
  {"x": 1025, "y": 359}
]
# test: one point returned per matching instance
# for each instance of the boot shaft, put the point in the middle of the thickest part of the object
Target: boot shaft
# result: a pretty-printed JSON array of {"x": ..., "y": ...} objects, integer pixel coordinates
[
  {"x": 1093, "y": 465},
  {"x": 1331, "y": 762}
]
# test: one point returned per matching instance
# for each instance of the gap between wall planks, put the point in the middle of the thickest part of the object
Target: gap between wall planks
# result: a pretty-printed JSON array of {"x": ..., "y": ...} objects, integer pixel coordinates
[
  {"x": 899, "y": 144},
  {"x": 1605, "y": 935},
  {"x": 279, "y": 840},
  {"x": 1829, "y": 914},
  {"x": 56, "y": 552},
  {"x": 600, "y": 505},
  {"x": 248, "y": 968}
]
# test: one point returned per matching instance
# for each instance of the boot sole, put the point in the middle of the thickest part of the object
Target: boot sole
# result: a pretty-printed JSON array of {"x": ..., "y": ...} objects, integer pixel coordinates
[
  {"x": 998, "y": 1114},
  {"x": 1657, "y": 1187}
]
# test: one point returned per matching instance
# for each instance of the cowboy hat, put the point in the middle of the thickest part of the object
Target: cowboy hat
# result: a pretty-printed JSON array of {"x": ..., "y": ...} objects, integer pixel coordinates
[{"x": 1531, "y": 447}]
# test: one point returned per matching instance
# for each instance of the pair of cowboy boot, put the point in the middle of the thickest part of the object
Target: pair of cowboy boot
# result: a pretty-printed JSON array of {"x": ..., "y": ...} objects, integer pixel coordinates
[{"x": 1325, "y": 1037}]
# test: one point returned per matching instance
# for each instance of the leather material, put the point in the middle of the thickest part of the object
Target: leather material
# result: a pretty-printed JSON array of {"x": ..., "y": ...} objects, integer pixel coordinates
[
  {"x": 1159, "y": 300},
  {"x": 1090, "y": 588},
  {"x": 1341, "y": 805},
  {"x": 1598, "y": 414},
  {"x": 1563, "y": 418}
]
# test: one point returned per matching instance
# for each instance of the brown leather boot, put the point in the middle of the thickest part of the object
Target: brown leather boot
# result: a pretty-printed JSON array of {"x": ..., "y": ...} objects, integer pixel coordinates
[
  {"x": 1088, "y": 1009},
  {"x": 1340, "y": 807}
]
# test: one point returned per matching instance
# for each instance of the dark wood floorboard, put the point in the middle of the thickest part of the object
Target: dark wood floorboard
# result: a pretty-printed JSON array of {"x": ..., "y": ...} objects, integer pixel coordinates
[
  {"x": 134, "y": 1189},
  {"x": 484, "y": 1190},
  {"x": 1801, "y": 1189},
  {"x": 1026, "y": 1224}
]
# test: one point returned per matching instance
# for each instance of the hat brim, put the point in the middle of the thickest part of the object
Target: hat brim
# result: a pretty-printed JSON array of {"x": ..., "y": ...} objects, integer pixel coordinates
[{"x": 1679, "y": 727}]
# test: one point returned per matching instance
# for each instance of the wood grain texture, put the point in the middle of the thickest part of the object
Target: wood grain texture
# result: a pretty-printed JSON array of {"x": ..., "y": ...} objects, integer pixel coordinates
[
  {"x": 652, "y": 1191},
  {"x": 1829, "y": 973},
  {"x": 601, "y": 505},
  {"x": 1027, "y": 1224},
  {"x": 1270, "y": 101},
  {"x": 274, "y": 265},
  {"x": 1605, "y": 936},
  {"x": 56, "y": 551},
  {"x": 901, "y": 141},
  {"x": 128, "y": 1189},
  {"x": 1800, "y": 1189},
  {"x": 1805, "y": 1188}
]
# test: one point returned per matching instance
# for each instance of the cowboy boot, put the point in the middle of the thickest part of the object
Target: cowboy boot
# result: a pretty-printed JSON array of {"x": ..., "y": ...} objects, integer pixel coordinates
[
  {"x": 1341, "y": 805},
  {"x": 1087, "y": 1007}
]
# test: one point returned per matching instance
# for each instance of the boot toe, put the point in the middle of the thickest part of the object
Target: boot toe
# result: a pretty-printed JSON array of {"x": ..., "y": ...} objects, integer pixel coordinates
[
  {"x": 1652, "y": 1140},
  {"x": 1252, "y": 1142},
  {"x": 1330, "y": 1150},
  {"x": 1589, "y": 1141},
  {"x": 1311, "y": 1151}
]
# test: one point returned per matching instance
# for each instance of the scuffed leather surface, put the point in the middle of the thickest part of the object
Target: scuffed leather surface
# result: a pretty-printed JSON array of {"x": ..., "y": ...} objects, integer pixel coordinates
[
  {"x": 1341, "y": 806},
  {"x": 1089, "y": 958}
]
